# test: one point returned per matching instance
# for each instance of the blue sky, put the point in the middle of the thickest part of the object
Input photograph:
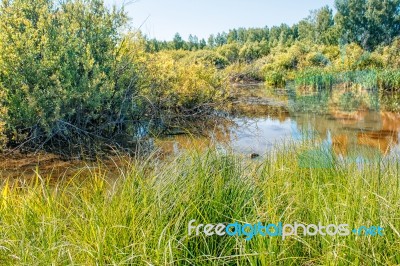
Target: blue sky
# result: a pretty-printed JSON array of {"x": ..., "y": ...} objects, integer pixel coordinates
[{"x": 163, "y": 18}]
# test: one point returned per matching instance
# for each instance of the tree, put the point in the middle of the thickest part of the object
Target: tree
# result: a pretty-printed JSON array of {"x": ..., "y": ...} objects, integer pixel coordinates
[
  {"x": 286, "y": 37},
  {"x": 221, "y": 39},
  {"x": 193, "y": 42},
  {"x": 232, "y": 36},
  {"x": 318, "y": 27},
  {"x": 368, "y": 23},
  {"x": 202, "y": 43},
  {"x": 306, "y": 30},
  {"x": 178, "y": 42},
  {"x": 383, "y": 21},
  {"x": 324, "y": 26},
  {"x": 274, "y": 35},
  {"x": 211, "y": 41}
]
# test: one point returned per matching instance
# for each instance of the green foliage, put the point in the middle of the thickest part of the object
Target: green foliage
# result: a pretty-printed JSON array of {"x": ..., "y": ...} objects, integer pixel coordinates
[
  {"x": 317, "y": 59},
  {"x": 368, "y": 23},
  {"x": 3, "y": 113},
  {"x": 180, "y": 85},
  {"x": 242, "y": 72},
  {"x": 391, "y": 54},
  {"x": 320, "y": 79},
  {"x": 318, "y": 27},
  {"x": 211, "y": 58},
  {"x": 370, "y": 60},
  {"x": 286, "y": 59},
  {"x": 66, "y": 68},
  {"x": 68, "y": 76},
  {"x": 141, "y": 216},
  {"x": 368, "y": 79},
  {"x": 230, "y": 51},
  {"x": 275, "y": 79},
  {"x": 314, "y": 78},
  {"x": 178, "y": 42},
  {"x": 389, "y": 79},
  {"x": 58, "y": 66},
  {"x": 253, "y": 50}
]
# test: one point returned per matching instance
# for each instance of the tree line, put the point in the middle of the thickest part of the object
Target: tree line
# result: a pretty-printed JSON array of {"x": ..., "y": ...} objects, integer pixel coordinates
[{"x": 368, "y": 23}]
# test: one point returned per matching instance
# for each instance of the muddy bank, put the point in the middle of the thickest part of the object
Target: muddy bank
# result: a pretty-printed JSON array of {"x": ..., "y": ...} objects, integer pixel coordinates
[{"x": 18, "y": 165}]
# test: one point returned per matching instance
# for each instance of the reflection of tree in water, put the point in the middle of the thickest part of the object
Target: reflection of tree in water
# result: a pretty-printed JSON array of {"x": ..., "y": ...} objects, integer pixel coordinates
[
  {"x": 348, "y": 117},
  {"x": 306, "y": 101},
  {"x": 196, "y": 137}
]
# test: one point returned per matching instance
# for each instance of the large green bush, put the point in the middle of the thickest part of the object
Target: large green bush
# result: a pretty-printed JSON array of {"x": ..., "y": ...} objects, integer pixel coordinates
[
  {"x": 230, "y": 51},
  {"x": 59, "y": 70},
  {"x": 180, "y": 86},
  {"x": 253, "y": 50},
  {"x": 317, "y": 59}
]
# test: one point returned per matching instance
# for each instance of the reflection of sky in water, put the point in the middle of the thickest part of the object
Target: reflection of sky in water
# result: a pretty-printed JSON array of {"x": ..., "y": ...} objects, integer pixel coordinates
[
  {"x": 395, "y": 150},
  {"x": 352, "y": 133},
  {"x": 355, "y": 133},
  {"x": 260, "y": 135}
]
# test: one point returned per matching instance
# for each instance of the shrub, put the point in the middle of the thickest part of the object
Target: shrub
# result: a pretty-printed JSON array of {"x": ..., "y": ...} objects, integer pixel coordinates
[
  {"x": 253, "y": 50},
  {"x": 275, "y": 79},
  {"x": 285, "y": 61},
  {"x": 230, "y": 51},
  {"x": 59, "y": 70},
  {"x": 180, "y": 85},
  {"x": 242, "y": 72},
  {"x": 316, "y": 59},
  {"x": 369, "y": 60},
  {"x": 389, "y": 79},
  {"x": 391, "y": 54},
  {"x": 350, "y": 57},
  {"x": 208, "y": 57},
  {"x": 331, "y": 52}
]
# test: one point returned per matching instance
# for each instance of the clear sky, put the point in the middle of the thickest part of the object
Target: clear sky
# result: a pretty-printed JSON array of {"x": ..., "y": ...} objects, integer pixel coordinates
[{"x": 163, "y": 18}]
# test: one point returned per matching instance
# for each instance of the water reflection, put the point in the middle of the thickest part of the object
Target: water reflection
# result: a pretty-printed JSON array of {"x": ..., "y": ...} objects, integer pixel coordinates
[{"x": 351, "y": 121}]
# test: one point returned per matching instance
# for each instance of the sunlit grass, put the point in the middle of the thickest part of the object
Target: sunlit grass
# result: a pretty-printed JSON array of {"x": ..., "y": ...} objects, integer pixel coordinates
[
  {"x": 142, "y": 216},
  {"x": 323, "y": 79}
]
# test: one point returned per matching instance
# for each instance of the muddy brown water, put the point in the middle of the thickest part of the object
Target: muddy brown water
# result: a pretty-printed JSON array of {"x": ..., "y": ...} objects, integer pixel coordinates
[{"x": 352, "y": 122}]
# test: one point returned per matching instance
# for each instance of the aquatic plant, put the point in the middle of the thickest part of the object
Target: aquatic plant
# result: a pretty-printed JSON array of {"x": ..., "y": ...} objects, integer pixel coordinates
[
  {"x": 389, "y": 79},
  {"x": 275, "y": 79},
  {"x": 314, "y": 78}
]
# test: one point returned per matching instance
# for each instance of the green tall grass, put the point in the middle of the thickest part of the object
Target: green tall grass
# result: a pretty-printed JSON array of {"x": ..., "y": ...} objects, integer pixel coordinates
[
  {"x": 315, "y": 78},
  {"x": 141, "y": 217},
  {"x": 322, "y": 79},
  {"x": 389, "y": 80}
]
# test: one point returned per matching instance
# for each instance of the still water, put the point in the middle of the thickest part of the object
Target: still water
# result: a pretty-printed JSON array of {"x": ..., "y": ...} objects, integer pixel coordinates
[{"x": 352, "y": 122}]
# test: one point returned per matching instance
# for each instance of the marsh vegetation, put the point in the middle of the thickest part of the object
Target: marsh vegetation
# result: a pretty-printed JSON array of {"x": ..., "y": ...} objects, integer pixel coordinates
[{"x": 227, "y": 123}]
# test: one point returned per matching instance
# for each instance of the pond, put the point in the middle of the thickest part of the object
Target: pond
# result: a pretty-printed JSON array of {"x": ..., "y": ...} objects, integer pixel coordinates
[{"x": 352, "y": 122}]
